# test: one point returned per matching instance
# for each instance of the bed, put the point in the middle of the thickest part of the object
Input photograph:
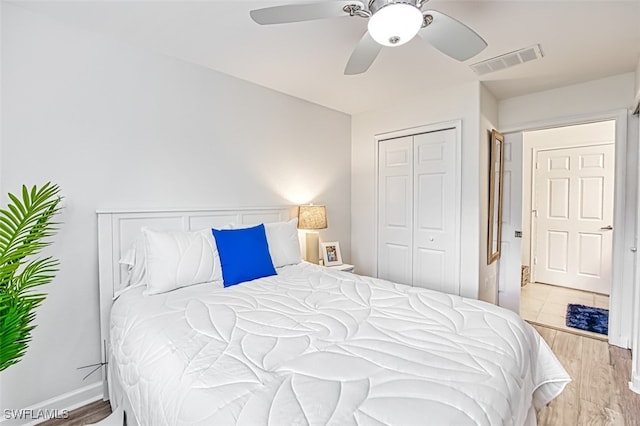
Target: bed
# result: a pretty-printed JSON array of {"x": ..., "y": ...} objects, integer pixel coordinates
[{"x": 309, "y": 345}]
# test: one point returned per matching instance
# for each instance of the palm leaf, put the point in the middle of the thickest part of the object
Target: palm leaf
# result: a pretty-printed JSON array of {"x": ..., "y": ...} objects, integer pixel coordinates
[
  {"x": 36, "y": 273},
  {"x": 25, "y": 225},
  {"x": 27, "y": 222},
  {"x": 16, "y": 316}
]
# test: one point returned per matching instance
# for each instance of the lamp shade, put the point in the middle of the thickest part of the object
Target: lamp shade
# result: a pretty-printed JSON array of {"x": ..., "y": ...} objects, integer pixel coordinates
[
  {"x": 312, "y": 217},
  {"x": 395, "y": 24}
]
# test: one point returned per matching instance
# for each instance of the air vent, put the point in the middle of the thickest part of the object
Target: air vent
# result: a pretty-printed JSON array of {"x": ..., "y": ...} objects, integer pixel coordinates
[{"x": 508, "y": 60}]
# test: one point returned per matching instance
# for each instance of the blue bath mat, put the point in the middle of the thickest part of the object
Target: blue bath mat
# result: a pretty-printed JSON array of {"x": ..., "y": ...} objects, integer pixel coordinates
[{"x": 588, "y": 318}]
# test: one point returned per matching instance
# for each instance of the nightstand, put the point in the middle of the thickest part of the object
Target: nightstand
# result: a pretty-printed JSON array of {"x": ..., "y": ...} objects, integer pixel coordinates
[{"x": 344, "y": 267}]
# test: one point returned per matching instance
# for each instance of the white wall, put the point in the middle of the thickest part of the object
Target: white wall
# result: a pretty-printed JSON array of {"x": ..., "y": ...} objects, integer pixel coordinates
[
  {"x": 635, "y": 348},
  {"x": 452, "y": 103},
  {"x": 2, "y": 397},
  {"x": 488, "y": 283},
  {"x": 1, "y": 93},
  {"x": 607, "y": 94},
  {"x": 635, "y": 367},
  {"x": 638, "y": 83},
  {"x": 118, "y": 127}
]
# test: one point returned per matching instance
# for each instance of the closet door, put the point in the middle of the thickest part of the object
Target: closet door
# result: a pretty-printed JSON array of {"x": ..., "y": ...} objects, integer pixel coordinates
[
  {"x": 395, "y": 210},
  {"x": 434, "y": 207}
]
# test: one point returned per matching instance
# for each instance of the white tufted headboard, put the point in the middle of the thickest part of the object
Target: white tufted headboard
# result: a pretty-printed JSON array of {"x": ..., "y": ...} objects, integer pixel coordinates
[{"x": 118, "y": 229}]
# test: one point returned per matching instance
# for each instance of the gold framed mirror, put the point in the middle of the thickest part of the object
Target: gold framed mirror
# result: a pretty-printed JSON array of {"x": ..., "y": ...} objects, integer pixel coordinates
[{"x": 496, "y": 172}]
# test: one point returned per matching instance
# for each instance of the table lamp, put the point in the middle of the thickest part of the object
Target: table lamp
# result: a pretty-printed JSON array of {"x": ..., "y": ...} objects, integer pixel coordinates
[{"x": 311, "y": 218}]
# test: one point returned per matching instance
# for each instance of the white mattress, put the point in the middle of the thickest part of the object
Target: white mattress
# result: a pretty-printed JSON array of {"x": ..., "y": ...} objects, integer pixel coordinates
[{"x": 318, "y": 346}]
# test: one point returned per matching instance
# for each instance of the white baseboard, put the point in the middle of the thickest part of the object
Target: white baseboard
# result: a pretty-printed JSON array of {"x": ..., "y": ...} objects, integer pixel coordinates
[
  {"x": 634, "y": 384},
  {"x": 56, "y": 406},
  {"x": 620, "y": 341}
]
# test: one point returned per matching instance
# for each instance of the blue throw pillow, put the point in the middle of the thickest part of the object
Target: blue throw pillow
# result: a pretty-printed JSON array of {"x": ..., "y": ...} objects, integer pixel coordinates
[{"x": 244, "y": 254}]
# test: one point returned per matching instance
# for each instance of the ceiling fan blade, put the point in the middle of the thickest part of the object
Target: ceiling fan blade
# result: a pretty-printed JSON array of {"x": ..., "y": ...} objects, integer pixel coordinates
[
  {"x": 363, "y": 55},
  {"x": 302, "y": 12},
  {"x": 451, "y": 36}
]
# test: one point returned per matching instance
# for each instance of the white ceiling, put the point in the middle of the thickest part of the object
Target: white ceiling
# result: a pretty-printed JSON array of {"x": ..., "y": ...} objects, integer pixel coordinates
[{"x": 581, "y": 41}]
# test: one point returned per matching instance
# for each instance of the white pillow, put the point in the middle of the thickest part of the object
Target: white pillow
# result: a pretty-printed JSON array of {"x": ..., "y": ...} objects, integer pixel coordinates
[
  {"x": 134, "y": 260},
  {"x": 284, "y": 246},
  {"x": 179, "y": 258}
]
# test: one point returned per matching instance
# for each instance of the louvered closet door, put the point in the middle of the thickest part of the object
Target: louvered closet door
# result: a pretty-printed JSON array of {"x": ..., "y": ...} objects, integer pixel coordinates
[
  {"x": 395, "y": 201},
  {"x": 434, "y": 260}
]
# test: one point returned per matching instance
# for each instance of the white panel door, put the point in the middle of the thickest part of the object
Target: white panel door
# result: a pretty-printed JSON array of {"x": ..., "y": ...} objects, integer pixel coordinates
[
  {"x": 434, "y": 260},
  {"x": 395, "y": 210},
  {"x": 574, "y": 207},
  {"x": 510, "y": 262}
]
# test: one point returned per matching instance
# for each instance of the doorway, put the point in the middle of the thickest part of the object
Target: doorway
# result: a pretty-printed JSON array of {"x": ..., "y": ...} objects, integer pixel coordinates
[
  {"x": 514, "y": 268},
  {"x": 569, "y": 232}
]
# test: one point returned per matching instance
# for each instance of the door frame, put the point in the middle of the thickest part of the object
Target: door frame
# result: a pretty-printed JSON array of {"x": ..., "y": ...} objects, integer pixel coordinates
[
  {"x": 510, "y": 262},
  {"x": 435, "y": 127},
  {"x": 533, "y": 228},
  {"x": 623, "y": 262}
]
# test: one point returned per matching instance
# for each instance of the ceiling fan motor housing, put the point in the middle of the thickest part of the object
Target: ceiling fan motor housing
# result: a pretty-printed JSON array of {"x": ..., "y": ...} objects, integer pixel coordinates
[
  {"x": 376, "y": 5},
  {"x": 394, "y": 22}
]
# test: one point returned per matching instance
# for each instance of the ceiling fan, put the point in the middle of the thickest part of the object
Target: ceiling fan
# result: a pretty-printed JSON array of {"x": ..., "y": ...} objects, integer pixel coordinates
[{"x": 391, "y": 23}]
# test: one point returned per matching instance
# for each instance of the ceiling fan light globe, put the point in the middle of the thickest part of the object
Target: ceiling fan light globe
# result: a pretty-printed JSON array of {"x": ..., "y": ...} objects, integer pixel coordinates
[{"x": 395, "y": 24}]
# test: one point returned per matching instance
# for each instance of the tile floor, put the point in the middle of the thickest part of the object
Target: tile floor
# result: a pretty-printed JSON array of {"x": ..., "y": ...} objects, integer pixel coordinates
[{"x": 547, "y": 305}]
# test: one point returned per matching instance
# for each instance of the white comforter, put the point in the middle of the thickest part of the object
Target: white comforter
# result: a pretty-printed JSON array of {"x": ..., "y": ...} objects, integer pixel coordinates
[{"x": 317, "y": 346}]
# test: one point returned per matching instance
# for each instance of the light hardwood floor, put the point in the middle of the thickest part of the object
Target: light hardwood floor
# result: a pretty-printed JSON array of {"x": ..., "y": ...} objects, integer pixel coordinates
[
  {"x": 90, "y": 413},
  {"x": 547, "y": 305},
  {"x": 599, "y": 394}
]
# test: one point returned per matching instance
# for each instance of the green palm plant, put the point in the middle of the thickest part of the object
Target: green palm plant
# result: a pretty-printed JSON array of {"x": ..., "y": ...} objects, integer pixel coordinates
[{"x": 25, "y": 225}]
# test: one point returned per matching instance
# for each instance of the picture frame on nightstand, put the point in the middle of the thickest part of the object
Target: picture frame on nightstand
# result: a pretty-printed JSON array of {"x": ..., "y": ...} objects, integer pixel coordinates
[{"x": 331, "y": 253}]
